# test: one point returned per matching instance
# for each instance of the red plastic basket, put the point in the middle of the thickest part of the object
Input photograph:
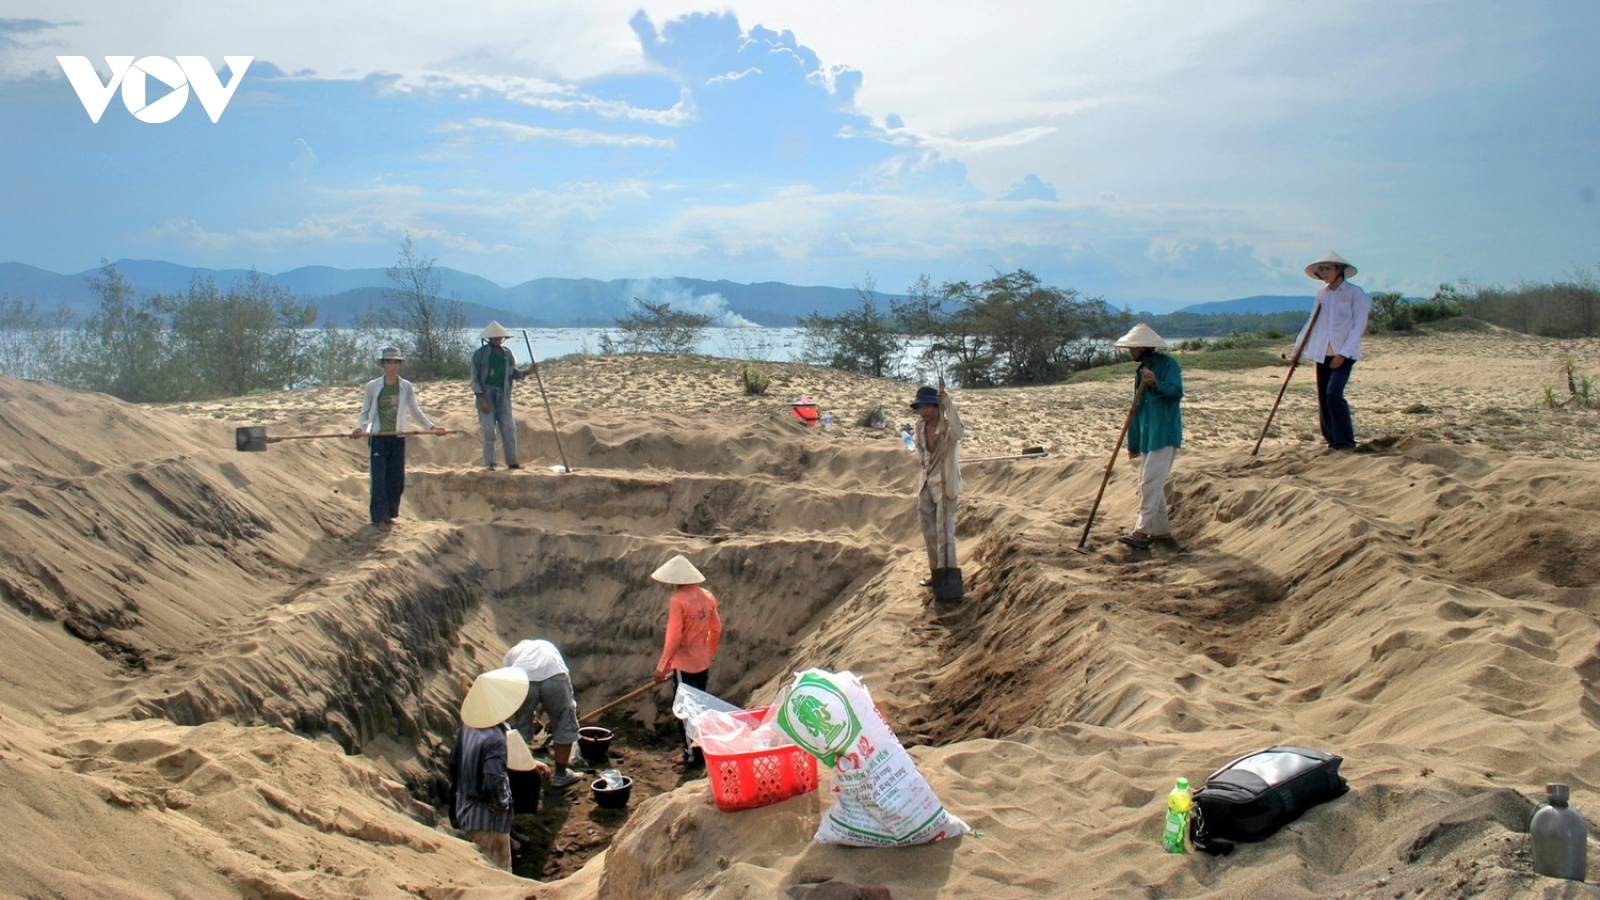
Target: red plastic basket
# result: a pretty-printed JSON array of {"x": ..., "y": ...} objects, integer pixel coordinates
[{"x": 761, "y": 777}]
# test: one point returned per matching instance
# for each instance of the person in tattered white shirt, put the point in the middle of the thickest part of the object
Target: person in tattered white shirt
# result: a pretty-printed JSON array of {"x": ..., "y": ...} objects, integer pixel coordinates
[{"x": 938, "y": 442}]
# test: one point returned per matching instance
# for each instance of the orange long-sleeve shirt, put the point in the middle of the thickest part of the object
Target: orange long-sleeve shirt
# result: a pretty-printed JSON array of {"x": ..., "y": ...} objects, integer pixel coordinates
[{"x": 694, "y": 629}]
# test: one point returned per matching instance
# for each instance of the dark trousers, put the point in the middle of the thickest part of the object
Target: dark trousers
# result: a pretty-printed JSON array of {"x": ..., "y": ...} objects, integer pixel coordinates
[
  {"x": 388, "y": 476},
  {"x": 1333, "y": 413},
  {"x": 697, "y": 680}
]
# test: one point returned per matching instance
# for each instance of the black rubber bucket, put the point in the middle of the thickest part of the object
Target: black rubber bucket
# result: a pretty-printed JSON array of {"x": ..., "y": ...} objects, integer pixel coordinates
[
  {"x": 594, "y": 743},
  {"x": 947, "y": 584},
  {"x": 607, "y": 797}
]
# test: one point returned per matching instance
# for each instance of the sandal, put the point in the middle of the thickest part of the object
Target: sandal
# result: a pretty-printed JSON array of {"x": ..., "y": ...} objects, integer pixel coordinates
[
  {"x": 1135, "y": 540},
  {"x": 926, "y": 582}
]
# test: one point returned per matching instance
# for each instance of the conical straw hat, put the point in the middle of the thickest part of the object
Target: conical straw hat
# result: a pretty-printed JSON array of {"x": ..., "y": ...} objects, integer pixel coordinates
[
  {"x": 1335, "y": 259},
  {"x": 1142, "y": 335},
  {"x": 494, "y": 696},
  {"x": 518, "y": 757},
  {"x": 678, "y": 570},
  {"x": 495, "y": 330}
]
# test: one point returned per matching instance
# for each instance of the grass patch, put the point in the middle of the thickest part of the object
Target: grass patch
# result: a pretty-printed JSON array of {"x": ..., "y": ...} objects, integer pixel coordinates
[{"x": 1215, "y": 360}]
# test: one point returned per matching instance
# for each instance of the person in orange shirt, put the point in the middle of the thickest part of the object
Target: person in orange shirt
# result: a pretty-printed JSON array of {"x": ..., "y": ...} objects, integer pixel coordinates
[{"x": 693, "y": 631}]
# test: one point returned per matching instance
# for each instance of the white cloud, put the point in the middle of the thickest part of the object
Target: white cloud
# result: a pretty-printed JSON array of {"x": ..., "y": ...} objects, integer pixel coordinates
[{"x": 577, "y": 137}]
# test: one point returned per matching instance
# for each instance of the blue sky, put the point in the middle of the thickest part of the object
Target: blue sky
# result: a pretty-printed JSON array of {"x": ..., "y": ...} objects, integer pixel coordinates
[{"x": 1139, "y": 151}]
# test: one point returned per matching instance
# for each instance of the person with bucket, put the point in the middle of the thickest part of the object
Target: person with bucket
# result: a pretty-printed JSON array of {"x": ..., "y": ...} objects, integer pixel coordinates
[
  {"x": 1333, "y": 337},
  {"x": 550, "y": 688},
  {"x": 481, "y": 802},
  {"x": 694, "y": 629},
  {"x": 494, "y": 367},
  {"x": 937, "y": 439},
  {"x": 1155, "y": 431},
  {"x": 387, "y": 402}
]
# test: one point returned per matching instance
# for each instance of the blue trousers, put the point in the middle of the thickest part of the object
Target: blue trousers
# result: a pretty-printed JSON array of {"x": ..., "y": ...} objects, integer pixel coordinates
[
  {"x": 1333, "y": 413},
  {"x": 498, "y": 419},
  {"x": 388, "y": 476}
]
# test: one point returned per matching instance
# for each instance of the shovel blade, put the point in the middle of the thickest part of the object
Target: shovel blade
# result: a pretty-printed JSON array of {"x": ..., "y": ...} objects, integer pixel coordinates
[
  {"x": 947, "y": 584},
  {"x": 250, "y": 439}
]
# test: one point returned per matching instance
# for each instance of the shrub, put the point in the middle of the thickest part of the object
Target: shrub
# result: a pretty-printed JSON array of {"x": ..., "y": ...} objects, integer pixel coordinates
[{"x": 754, "y": 380}]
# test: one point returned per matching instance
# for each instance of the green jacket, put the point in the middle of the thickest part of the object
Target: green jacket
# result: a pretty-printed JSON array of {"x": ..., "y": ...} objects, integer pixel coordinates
[{"x": 1158, "y": 421}]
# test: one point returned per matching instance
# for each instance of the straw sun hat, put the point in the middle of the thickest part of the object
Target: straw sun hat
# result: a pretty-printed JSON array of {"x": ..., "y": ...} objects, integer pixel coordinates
[
  {"x": 1334, "y": 259},
  {"x": 495, "y": 330},
  {"x": 1142, "y": 335},
  {"x": 391, "y": 354},
  {"x": 518, "y": 757},
  {"x": 678, "y": 570},
  {"x": 494, "y": 696}
]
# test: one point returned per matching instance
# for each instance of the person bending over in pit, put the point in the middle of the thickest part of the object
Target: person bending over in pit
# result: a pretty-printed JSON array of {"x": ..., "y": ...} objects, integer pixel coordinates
[
  {"x": 481, "y": 804},
  {"x": 938, "y": 442},
  {"x": 694, "y": 629},
  {"x": 550, "y": 688},
  {"x": 1154, "y": 433}
]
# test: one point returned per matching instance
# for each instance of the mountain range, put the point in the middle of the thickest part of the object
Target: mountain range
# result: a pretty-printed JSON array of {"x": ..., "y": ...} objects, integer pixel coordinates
[{"x": 340, "y": 294}]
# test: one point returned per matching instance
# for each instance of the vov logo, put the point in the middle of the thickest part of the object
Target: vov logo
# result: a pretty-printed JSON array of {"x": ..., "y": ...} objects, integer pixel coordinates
[{"x": 188, "y": 71}]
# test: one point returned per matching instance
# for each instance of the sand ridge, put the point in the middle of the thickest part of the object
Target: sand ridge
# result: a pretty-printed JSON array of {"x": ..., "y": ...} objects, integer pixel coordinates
[{"x": 208, "y": 655}]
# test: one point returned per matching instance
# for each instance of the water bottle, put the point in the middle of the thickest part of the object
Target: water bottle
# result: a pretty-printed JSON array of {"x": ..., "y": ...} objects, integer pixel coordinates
[
  {"x": 1559, "y": 837},
  {"x": 1175, "y": 838},
  {"x": 827, "y": 422},
  {"x": 911, "y": 442}
]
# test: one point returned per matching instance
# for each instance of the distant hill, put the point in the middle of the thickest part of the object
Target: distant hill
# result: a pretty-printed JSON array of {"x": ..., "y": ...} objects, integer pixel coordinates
[
  {"x": 1262, "y": 304},
  {"x": 547, "y": 302}
]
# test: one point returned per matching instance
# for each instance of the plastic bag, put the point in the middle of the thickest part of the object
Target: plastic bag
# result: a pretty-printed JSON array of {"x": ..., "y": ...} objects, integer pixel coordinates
[{"x": 882, "y": 800}]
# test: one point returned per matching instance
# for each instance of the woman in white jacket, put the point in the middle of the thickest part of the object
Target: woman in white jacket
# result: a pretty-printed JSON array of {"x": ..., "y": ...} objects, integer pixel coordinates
[
  {"x": 387, "y": 406},
  {"x": 1332, "y": 337}
]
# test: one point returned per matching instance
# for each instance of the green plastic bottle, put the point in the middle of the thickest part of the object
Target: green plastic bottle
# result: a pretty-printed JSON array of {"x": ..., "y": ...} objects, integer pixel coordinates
[{"x": 1175, "y": 837}]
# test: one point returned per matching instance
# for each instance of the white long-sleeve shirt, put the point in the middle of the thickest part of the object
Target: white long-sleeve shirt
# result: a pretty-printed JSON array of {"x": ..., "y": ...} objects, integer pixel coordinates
[
  {"x": 1338, "y": 327},
  {"x": 368, "y": 422}
]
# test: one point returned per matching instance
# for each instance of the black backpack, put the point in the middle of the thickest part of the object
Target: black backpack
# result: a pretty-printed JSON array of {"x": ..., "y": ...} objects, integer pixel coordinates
[{"x": 1258, "y": 793}]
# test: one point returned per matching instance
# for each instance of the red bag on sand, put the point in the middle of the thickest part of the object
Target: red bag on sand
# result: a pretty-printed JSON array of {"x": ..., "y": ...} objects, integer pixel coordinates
[{"x": 805, "y": 410}]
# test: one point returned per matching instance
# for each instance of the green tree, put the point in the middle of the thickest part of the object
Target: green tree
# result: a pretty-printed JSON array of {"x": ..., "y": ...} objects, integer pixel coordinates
[
  {"x": 1013, "y": 329},
  {"x": 432, "y": 328},
  {"x": 33, "y": 344},
  {"x": 864, "y": 340},
  {"x": 658, "y": 328},
  {"x": 246, "y": 340},
  {"x": 336, "y": 356},
  {"x": 1389, "y": 312},
  {"x": 125, "y": 340}
]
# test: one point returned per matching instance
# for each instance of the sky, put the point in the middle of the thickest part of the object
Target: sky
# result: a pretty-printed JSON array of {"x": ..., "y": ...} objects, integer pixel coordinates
[{"x": 1150, "y": 153}]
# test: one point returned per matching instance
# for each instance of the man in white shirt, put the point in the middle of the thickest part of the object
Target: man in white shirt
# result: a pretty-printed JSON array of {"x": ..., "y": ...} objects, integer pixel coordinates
[
  {"x": 1332, "y": 336},
  {"x": 549, "y": 686}
]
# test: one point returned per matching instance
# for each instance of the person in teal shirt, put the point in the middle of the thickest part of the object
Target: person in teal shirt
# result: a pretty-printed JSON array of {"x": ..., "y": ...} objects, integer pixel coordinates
[{"x": 1155, "y": 432}]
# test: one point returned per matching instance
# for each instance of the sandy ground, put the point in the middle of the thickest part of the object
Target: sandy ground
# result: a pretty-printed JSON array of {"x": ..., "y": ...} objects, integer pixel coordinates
[{"x": 217, "y": 681}]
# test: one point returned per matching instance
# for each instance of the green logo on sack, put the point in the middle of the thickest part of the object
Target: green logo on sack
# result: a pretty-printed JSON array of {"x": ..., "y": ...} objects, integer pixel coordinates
[{"x": 817, "y": 717}]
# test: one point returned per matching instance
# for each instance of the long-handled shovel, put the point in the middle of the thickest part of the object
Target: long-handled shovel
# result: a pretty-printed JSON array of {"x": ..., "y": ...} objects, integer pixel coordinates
[
  {"x": 253, "y": 438},
  {"x": 1109, "y": 464},
  {"x": 540, "y": 379},
  {"x": 1027, "y": 453},
  {"x": 1294, "y": 363},
  {"x": 595, "y": 714}
]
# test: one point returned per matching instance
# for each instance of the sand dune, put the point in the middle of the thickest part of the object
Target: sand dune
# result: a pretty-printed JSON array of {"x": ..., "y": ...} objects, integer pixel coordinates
[{"x": 215, "y": 680}]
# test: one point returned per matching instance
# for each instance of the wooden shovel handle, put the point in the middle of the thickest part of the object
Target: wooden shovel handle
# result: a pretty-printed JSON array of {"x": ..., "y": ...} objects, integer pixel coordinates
[
  {"x": 618, "y": 702},
  {"x": 1111, "y": 463}
]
